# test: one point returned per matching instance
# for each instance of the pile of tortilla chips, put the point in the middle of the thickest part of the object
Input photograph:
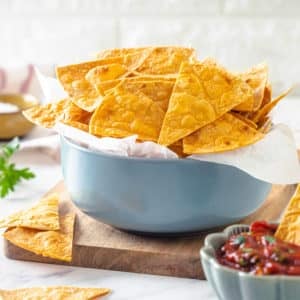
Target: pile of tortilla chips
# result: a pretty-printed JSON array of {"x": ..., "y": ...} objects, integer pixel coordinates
[
  {"x": 42, "y": 230},
  {"x": 164, "y": 95}
]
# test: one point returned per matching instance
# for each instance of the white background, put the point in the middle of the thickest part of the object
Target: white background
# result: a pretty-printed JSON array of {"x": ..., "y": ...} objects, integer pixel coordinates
[{"x": 238, "y": 33}]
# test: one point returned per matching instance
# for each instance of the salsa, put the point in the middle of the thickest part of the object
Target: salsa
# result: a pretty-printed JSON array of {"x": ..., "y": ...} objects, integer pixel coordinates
[{"x": 259, "y": 252}]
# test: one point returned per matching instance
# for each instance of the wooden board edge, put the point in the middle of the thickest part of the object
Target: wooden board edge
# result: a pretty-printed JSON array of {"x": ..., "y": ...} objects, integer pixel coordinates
[{"x": 108, "y": 259}]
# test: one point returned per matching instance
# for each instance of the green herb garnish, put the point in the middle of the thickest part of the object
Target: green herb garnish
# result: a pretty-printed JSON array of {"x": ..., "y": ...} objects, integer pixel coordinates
[
  {"x": 270, "y": 239},
  {"x": 10, "y": 176}
]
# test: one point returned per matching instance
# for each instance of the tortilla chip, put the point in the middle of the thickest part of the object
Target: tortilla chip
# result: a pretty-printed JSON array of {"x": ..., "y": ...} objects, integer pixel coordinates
[
  {"x": 62, "y": 111},
  {"x": 165, "y": 60},
  {"x": 267, "y": 95},
  {"x": 202, "y": 93},
  {"x": 257, "y": 80},
  {"x": 289, "y": 226},
  {"x": 106, "y": 72},
  {"x": 245, "y": 119},
  {"x": 53, "y": 293},
  {"x": 183, "y": 51},
  {"x": 74, "y": 114},
  {"x": 158, "y": 91},
  {"x": 123, "y": 114},
  {"x": 53, "y": 244},
  {"x": 177, "y": 147},
  {"x": 266, "y": 125},
  {"x": 47, "y": 115},
  {"x": 265, "y": 110},
  {"x": 76, "y": 124},
  {"x": 85, "y": 95},
  {"x": 225, "y": 133},
  {"x": 104, "y": 86},
  {"x": 42, "y": 216}
]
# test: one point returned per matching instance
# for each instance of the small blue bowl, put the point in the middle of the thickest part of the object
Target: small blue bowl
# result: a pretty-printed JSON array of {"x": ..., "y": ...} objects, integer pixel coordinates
[
  {"x": 158, "y": 196},
  {"x": 230, "y": 284}
]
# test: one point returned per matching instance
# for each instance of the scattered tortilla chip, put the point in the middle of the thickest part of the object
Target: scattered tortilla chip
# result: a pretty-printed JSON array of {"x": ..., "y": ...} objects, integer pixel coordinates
[
  {"x": 256, "y": 77},
  {"x": 123, "y": 114},
  {"x": 289, "y": 226},
  {"x": 42, "y": 216},
  {"x": 225, "y": 133},
  {"x": 202, "y": 93},
  {"x": 265, "y": 110},
  {"x": 53, "y": 293},
  {"x": 53, "y": 244}
]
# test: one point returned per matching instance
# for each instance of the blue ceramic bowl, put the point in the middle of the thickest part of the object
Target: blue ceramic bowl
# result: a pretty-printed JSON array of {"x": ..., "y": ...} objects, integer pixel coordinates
[
  {"x": 230, "y": 284},
  {"x": 157, "y": 195}
]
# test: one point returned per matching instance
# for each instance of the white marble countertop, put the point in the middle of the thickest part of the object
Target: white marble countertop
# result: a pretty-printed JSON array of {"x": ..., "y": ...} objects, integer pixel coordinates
[{"x": 17, "y": 274}]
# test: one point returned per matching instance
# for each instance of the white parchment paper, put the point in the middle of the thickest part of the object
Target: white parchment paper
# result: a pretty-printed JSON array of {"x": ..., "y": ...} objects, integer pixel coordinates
[{"x": 272, "y": 159}]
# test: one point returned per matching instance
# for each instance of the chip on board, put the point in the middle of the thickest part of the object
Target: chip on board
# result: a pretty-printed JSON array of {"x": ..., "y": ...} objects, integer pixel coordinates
[
  {"x": 122, "y": 114},
  {"x": 257, "y": 78},
  {"x": 202, "y": 93},
  {"x": 53, "y": 293},
  {"x": 289, "y": 226},
  {"x": 225, "y": 133},
  {"x": 54, "y": 244},
  {"x": 42, "y": 216}
]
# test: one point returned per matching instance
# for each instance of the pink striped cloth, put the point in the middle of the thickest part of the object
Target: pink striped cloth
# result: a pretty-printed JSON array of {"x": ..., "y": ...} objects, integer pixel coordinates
[{"x": 22, "y": 79}]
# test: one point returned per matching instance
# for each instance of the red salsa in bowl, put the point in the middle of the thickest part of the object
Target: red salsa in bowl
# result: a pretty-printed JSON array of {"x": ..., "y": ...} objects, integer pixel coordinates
[{"x": 259, "y": 252}]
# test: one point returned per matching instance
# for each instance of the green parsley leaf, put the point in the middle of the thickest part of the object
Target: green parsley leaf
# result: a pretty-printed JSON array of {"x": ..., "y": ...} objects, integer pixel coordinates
[{"x": 10, "y": 176}]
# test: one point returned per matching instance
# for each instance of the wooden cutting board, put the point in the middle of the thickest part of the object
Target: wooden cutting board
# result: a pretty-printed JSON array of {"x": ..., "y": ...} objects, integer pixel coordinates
[{"x": 97, "y": 245}]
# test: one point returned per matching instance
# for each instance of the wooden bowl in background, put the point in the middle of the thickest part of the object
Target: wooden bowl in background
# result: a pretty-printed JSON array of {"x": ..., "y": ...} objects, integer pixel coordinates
[{"x": 14, "y": 123}]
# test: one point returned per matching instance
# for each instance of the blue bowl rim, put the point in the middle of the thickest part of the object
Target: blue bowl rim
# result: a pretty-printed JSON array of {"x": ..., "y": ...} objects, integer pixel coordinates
[
  {"x": 150, "y": 160},
  {"x": 141, "y": 159},
  {"x": 205, "y": 254}
]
